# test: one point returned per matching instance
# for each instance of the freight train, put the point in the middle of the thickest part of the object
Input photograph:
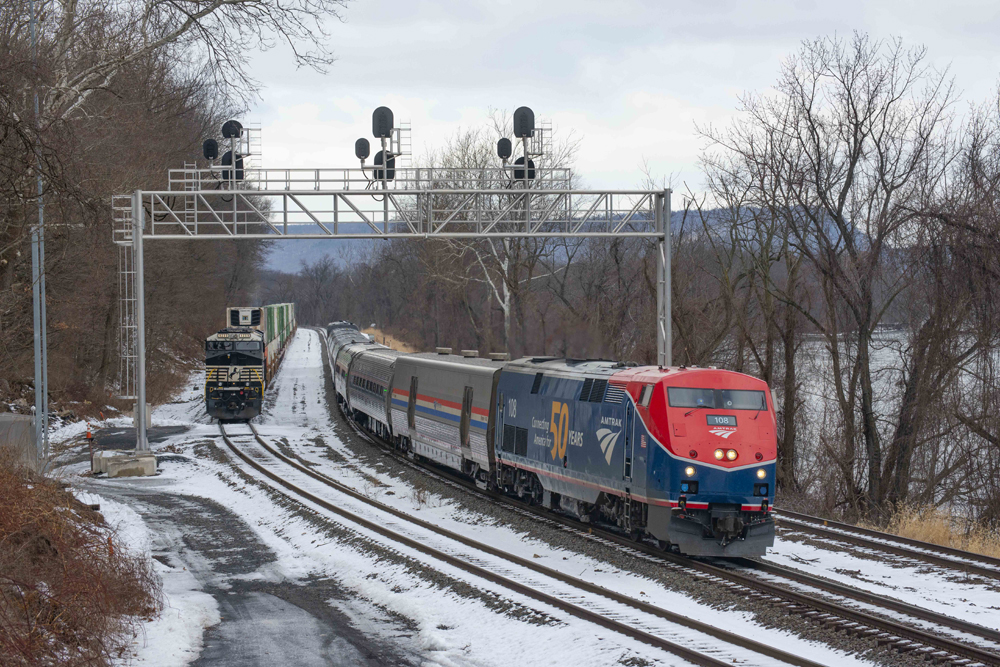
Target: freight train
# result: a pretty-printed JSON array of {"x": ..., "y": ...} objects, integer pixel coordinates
[
  {"x": 684, "y": 456},
  {"x": 241, "y": 359}
]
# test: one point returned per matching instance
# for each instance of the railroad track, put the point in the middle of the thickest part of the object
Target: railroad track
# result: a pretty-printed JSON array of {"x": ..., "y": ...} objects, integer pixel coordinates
[
  {"x": 691, "y": 640},
  {"x": 933, "y": 646},
  {"x": 956, "y": 559}
]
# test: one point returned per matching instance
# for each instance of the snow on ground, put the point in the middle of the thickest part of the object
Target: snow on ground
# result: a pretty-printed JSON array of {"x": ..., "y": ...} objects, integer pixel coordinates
[
  {"x": 175, "y": 637},
  {"x": 451, "y": 629},
  {"x": 451, "y": 625},
  {"x": 945, "y": 591},
  {"x": 296, "y": 395}
]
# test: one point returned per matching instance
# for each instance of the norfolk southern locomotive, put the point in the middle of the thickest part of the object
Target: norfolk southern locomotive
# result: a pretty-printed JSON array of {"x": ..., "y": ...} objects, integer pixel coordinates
[
  {"x": 241, "y": 359},
  {"x": 685, "y": 456}
]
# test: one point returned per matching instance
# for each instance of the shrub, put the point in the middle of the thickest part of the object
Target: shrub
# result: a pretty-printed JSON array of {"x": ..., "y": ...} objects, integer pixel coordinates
[
  {"x": 929, "y": 524},
  {"x": 70, "y": 593}
]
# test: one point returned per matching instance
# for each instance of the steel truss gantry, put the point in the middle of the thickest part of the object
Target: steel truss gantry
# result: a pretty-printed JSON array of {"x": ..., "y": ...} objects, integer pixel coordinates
[{"x": 419, "y": 203}]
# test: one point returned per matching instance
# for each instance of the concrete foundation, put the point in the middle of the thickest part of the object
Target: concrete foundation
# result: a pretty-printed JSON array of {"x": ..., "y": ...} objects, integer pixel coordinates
[{"x": 123, "y": 464}]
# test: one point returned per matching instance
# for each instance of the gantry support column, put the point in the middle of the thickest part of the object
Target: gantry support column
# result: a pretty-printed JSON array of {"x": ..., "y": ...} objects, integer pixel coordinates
[
  {"x": 138, "y": 225},
  {"x": 664, "y": 333}
]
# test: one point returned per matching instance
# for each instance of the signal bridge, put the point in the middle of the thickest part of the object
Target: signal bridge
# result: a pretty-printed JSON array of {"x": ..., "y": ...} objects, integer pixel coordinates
[{"x": 517, "y": 199}]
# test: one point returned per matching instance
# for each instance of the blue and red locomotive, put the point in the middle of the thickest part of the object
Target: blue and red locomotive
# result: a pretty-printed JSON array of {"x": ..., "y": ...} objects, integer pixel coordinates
[{"x": 685, "y": 456}]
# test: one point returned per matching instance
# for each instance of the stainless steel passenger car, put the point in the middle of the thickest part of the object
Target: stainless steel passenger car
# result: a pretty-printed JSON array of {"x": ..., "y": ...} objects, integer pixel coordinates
[
  {"x": 342, "y": 367},
  {"x": 368, "y": 382},
  {"x": 440, "y": 409}
]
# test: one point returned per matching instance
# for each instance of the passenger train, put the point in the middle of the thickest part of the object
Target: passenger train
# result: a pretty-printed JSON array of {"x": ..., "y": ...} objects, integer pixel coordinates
[
  {"x": 685, "y": 456},
  {"x": 241, "y": 359}
]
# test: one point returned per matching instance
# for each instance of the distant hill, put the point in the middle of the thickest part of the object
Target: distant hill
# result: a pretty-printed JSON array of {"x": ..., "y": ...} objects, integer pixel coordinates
[{"x": 288, "y": 256}]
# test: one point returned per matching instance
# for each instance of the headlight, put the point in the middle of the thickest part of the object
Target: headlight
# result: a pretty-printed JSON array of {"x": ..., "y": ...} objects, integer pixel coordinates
[
  {"x": 731, "y": 455},
  {"x": 689, "y": 471},
  {"x": 719, "y": 454},
  {"x": 761, "y": 474}
]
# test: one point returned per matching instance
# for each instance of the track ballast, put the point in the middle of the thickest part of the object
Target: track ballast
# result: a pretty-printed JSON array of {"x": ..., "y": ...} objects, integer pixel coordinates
[
  {"x": 885, "y": 632},
  {"x": 579, "y": 601}
]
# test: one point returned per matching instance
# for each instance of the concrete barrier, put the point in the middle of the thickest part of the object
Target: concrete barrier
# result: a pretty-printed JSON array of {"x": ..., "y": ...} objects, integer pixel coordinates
[
  {"x": 17, "y": 434},
  {"x": 116, "y": 463}
]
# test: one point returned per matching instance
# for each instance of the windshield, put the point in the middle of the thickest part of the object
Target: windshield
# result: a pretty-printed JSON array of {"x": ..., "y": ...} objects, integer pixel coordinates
[
  {"x": 228, "y": 345},
  {"x": 234, "y": 359},
  {"x": 683, "y": 397},
  {"x": 725, "y": 399},
  {"x": 233, "y": 353},
  {"x": 734, "y": 399}
]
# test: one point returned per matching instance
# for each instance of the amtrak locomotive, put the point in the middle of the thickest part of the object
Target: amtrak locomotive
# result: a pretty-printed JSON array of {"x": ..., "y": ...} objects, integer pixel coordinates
[{"x": 685, "y": 456}]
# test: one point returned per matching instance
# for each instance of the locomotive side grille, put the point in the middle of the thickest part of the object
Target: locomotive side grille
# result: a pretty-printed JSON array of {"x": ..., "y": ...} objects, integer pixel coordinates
[
  {"x": 234, "y": 318},
  {"x": 597, "y": 391},
  {"x": 255, "y": 317},
  {"x": 615, "y": 393},
  {"x": 521, "y": 442},
  {"x": 588, "y": 385},
  {"x": 508, "y": 438}
]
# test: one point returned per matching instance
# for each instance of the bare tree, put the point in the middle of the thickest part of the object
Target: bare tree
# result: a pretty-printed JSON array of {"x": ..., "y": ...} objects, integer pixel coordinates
[
  {"x": 856, "y": 135},
  {"x": 505, "y": 266}
]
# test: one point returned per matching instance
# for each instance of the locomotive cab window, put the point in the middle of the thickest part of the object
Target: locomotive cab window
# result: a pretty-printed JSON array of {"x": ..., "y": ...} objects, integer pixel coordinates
[
  {"x": 222, "y": 353},
  {"x": 724, "y": 399},
  {"x": 736, "y": 399},
  {"x": 645, "y": 395},
  {"x": 686, "y": 397}
]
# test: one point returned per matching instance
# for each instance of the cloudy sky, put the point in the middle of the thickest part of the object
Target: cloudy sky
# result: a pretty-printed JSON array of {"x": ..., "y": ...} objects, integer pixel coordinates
[{"x": 629, "y": 78}]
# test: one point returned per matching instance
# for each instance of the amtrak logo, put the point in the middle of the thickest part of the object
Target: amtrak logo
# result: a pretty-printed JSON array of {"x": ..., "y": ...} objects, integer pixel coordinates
[
  {"x": 722, "y": 432},
  {"x": 608, "y": 440}
]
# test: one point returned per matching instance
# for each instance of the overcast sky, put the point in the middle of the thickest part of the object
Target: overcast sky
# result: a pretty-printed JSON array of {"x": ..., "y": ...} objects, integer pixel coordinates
[{"x": 629, "y": 78}]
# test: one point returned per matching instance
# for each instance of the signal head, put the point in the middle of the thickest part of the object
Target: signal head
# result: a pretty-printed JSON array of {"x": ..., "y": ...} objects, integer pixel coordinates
[
  {"x": 227, "y": 161},
  {"x": 519, "y": 173},
  {"x": 524, "y": 123},
  {"x": 382, "y": 123},
  {"x": 210, "y": 149},
  {"x": 362, "y": 149},
  {"x": 390, "y": 167},
  {"x": 504, "y": 149},
  {"x": 232, "y": 129}
]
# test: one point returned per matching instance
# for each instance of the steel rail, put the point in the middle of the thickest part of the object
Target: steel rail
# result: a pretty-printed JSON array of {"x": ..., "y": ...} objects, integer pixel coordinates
[
  {"x": 862, "y": 537},
  {"x": 872, "y": 598},
  {"x": 902, "y": 631},
  {"x": 692, "y": 655}
]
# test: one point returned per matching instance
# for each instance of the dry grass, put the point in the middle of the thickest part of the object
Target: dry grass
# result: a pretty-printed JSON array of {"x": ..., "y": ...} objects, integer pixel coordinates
[
  {"x": 70, "y": 594},
  {"x": 929, "y": 524},
  {"x": 390, "y": 340}
]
